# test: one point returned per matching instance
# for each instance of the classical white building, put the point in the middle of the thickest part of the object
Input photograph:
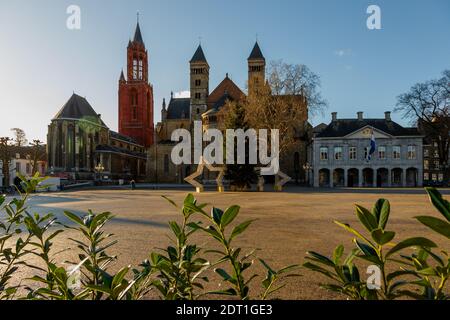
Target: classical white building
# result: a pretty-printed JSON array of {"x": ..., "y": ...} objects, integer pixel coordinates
[
  {"x": 21, "y": 164},
  {"x": 340, "y": 154}
]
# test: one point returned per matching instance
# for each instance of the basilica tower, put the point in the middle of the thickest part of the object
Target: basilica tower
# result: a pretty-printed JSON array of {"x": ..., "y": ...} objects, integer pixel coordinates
[
  {"x": 199, "y": 82},
  {"x": 136, "y": 94},
  {"x": 256, "y": 69}
]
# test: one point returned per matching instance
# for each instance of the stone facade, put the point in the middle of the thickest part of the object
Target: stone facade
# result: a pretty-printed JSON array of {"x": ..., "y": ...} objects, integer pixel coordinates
[
  {"x": 206, "y": 106},
  {"x": 136, "y": 94},
  {"x": 81, "y": 147},
  {"x": 340, "y": 154}
]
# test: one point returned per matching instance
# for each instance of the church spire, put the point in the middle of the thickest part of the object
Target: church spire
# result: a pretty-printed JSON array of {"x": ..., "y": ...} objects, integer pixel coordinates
[
  {"x": 256, "y": 53},
  {"x": 198, "y": 56},
  {"x": 122, "y": 77},
  {"x": 137, "y": 33}
]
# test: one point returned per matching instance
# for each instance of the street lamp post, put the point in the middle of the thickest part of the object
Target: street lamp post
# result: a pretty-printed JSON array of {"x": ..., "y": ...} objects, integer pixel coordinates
[
  {"x": 99, "y": 168},
  {"x": 308, "y": 168}
]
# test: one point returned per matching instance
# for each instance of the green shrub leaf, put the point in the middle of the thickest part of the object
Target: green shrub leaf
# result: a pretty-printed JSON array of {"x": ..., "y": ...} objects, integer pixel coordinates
[
  {"x": 382, "y": 237},
  {"x": 440, "y": 226},
  {"x": 229, "y": 215},
  {"x": 439, "y": 203},
  {"x": 412, "y": 242},
  {"x": 366, "y": 218},
  {"x": 381, "y": 211},
  {"x": 240, "y": 228}
]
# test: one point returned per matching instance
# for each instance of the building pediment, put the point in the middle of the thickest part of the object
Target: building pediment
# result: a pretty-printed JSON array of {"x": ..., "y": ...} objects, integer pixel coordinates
[{"x": 366, "y": 133}]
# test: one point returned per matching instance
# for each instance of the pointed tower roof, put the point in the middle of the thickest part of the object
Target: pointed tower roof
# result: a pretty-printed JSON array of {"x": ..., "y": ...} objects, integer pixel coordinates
[
  {"x": 122, "y": 77},
  {"x": 138, "y": 35},
  {"x": 256, "y": 53},
  {"x": 199, "y": 56}
]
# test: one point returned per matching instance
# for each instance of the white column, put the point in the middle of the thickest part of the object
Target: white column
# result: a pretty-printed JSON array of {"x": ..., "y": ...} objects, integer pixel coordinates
[
  {"x": 389, "y": 177},
  {"x": 360, "y": 177},
  {"x": 346, "y": 177},
  {"x": 316, "y": 178}
]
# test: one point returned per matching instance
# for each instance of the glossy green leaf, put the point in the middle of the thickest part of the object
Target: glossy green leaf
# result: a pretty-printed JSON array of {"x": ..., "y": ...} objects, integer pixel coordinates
[
  {"x": 240, "y": 229},
  {"x": 366, "y": 218},
  {"x": 229, "y": 215},
  {"x": 440, "y": 226},
  {"x": 439, "y": 202},
  {"x": 412, "y": 242},
  {"x": 382, "y": 237}
]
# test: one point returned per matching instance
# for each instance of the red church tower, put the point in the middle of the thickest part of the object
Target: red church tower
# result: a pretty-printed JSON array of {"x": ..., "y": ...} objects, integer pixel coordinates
[{"x": 136, "y": 94}]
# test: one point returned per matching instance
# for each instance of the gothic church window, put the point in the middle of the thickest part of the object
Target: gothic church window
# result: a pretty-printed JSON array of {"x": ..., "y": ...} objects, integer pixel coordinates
[
  {"x": 135, "y": 69},
  {"x": 141, "y": 68}
]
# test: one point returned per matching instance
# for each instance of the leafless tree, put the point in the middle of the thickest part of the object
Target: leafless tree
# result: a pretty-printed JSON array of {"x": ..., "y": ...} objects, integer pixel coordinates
[
  {"x": 296, "y": 79},
  {"x": 37, "y": 154},
  {"x": 5, "y": 157},
  {"x": 427, "y": 104},
  {"x": 20, "y": 138}
]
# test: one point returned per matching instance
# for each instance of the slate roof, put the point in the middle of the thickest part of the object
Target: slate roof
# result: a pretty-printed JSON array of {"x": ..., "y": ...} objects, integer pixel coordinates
[
  {"x": 179, "y": 107},
  {"x": 198, "y": 56},
  {"x": 78, "y": 107},
  {"x": 221, "y": 102},
  {"x": 119, "y": 136},
  {"x": 114, "y": 149},
  {"x": 256, "y": 53},
  {"x": 138, "y": 35},
  {"x": 343, "y": 127}
]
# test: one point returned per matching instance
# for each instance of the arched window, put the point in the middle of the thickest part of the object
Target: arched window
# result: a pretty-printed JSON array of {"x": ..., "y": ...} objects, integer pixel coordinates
[
  {"x": 135, "y": 69},
  {"x": 141, "y": 69}
]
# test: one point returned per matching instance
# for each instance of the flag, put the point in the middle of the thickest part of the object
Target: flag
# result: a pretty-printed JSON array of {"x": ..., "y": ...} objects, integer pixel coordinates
[{"x": 372, "y": 148}]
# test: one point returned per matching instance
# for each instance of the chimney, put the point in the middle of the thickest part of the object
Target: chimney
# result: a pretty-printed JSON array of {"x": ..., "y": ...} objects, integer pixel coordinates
[
  {"x": 333, "y": 116},
  {"x": 360, "y": 115},
  {"x": 387, "y": 116}
]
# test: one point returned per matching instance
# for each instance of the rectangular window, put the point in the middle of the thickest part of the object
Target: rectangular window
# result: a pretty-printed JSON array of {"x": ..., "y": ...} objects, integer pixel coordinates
[
  {"x": 18, "y": 167},
  {"x": 323, "y": 153},
  {"x": 434, "y": 177},
  {"x": 426, "y": 176},
  {"x": 426, "y": 164},
  {"x": 198, "y": 82},
  {"x": 352, "y": 154},
  {"x": 337, "y": 153},
  {"x": 382, "y": 152},
  {"x": 396, "y": 152},
  {"x": 440, "y": 177},
  {"x": 198, "y": 95},
  {"x": 411, "y": 152},
  {"x": 437, "y": 165},
  {"x": 436, "y": 153},
  {"x": 426, "y": 152}
]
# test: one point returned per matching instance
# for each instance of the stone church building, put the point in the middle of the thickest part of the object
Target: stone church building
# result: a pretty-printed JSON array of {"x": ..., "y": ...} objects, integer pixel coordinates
[
  {"x": 82, "y": 147},
  {"x": 205, "y": 105}
]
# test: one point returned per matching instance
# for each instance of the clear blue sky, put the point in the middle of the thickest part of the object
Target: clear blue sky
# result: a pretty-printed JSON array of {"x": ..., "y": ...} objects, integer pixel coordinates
[{"x": 42, "y": 62}]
